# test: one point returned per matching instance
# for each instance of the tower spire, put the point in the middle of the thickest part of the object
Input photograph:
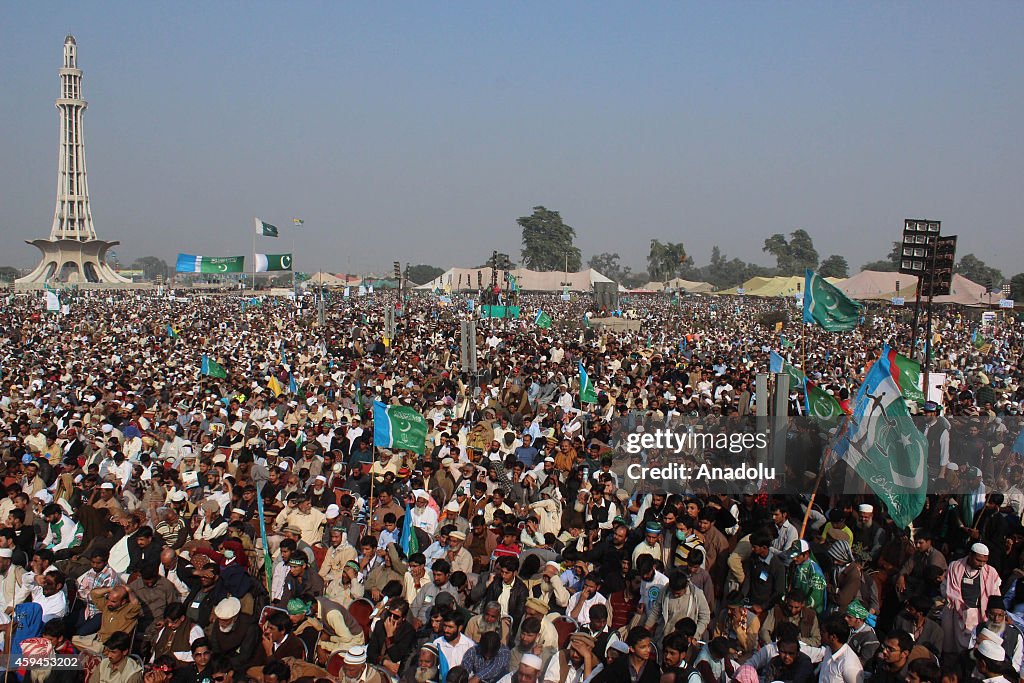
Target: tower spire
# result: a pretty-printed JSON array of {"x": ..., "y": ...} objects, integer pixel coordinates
[{"x": 73, "y": 250}]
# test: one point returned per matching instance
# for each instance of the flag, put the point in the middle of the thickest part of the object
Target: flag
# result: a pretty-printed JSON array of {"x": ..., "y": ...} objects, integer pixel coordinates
[
  {"x": 907, "y": 375},
  {"x": 212, "y": 368},
  {"x": 274, "y": 385},
  {"x": 884, "y": 447},
  {"x": 188, "y": 263},
  {"x": 778, "y": 326},
  {"x": 293, "y": 386},
  {"x": 298, "y": 222},
  {"x": 512, "y": 284},
  {"x": 978, "y": 339},
  {"x": 588, "y": 394},
  {"x": 273, "y": 262},
  {"x": 586, "y": 320},
  {"x": 820, "y": 403},
  {"x": 359, "y": 398},
  {"x": 785, "y": 343},
  {"x": 398, "y": 427},
  {"x": 407, "y": 540},
  {"x": 171, "y": 332},
  {"x": 265, "y": 229},
  {"x": 826, "y": 305},
  {"x": 543, "y": 320}
]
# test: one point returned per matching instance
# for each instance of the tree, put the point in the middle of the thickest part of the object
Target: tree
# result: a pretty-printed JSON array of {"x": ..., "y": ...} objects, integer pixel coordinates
[
  {"x": 802, "y": 252},
  {"x": 834, "y": 266},
  {"x": 9, "y": 274},
  {"x": 794, "y": 255},
  {"x": 976, "y": 270},
  {"x": 423, "y": 274},
  {"x": 548, "y": 242},
  {"x": 608, "y": 265},
  {"x": 777, "y": 246},
  {"x": 151, "y": 266},
  {"x": 666, "y": 261},
  {"x": 1017, "y": 287},
  {"x": 890, "y": 265}
]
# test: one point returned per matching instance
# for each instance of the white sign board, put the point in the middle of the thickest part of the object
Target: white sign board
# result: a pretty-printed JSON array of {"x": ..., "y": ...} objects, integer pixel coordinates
[
  {"x": 936, "y": 385},
  {"x": 1006, "y": 303},
  {"x": 988, "y": 317},
  {"x": 898, "y": 301}
]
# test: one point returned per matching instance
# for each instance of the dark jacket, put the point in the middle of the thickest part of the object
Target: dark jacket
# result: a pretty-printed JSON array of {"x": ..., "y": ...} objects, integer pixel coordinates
[
  {"x": 516, "y": 599},
  {"x": 239, "y": 644},
  {"x": 401, "y": 644},
  {"x": 206, "y": 605},
  {"x": 764, "y": 582},
  {"x": 618, "y": 672}
]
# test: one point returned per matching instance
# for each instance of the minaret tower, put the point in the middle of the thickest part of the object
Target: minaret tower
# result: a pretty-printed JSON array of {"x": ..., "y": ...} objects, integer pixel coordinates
[{"x": 72, "y": 253}]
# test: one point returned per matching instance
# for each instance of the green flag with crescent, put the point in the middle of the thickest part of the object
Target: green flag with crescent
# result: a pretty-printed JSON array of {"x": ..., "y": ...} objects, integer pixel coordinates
[
  {"x": 398, "y": 427},
  {"x": 827, "y": 306},
  {"x": 273, "y": 262}
]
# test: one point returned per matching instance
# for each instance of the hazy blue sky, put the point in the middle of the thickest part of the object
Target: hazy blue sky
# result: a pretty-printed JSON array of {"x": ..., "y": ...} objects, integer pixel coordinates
[{"x": 421, "y": 131}]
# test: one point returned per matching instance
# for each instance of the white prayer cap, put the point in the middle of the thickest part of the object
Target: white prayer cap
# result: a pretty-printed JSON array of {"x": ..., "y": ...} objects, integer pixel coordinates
[
  {"x": 865, "y": 508},
  {"x": 420, "y": 493},
  {"x": 979, "y": 549},
  {"x": 332, "y": 511},
  {"x": 6, "y": 552},
  {"x": 357, "y": 655},
  {"x": 990, "y": 650},
  {"x": 532, "y": 661}
]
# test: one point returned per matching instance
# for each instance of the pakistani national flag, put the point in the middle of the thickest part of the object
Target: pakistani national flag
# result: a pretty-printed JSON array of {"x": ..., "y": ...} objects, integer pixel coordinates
[
  {"x": 187, "y": 263},
  {"x": 212, "y": 368},
  {"x": 827, "y": 306},
  {"x": 543, "y": 320},
  {"x": 398, "y": 427},
  {"x": 884, "y": 447},
  {"x": 265, "y": 229},
  {"x": 588, "y": 394},
  {"x": 273, "y": 262},
  {"x": 907, "y": 374}
]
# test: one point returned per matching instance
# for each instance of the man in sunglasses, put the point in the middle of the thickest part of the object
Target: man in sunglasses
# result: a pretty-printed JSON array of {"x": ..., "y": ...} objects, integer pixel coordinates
[
  {"x": 393, "y": 637},
  {"x": 200, "y": 669}
]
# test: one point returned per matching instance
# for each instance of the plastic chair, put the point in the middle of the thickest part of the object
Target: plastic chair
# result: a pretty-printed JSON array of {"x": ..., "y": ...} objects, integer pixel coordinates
[
  {"x": 361, "y": 610},
  {"x": 334, "y": 662},
  {"x": 267, "y": 611},
  {"x": 565, "y": 626}
]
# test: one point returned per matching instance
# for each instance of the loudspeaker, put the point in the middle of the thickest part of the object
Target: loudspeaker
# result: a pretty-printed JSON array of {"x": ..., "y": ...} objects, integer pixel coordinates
[{"x": 606, "y": 295}]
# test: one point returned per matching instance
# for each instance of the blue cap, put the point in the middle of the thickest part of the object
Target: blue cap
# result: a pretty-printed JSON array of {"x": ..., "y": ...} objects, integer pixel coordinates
[{"x": 26, "y": 459}]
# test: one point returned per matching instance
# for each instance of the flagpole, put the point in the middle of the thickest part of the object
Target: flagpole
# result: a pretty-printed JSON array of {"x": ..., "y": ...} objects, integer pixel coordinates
[
  {"x": 814, "y": 494},
  {"x": 369, "y": 503},
  {"x": 254, "y": 262}
]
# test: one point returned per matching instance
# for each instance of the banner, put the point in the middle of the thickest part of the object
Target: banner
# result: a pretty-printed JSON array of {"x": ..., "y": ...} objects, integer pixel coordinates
[{"x": 188, "y": 263}]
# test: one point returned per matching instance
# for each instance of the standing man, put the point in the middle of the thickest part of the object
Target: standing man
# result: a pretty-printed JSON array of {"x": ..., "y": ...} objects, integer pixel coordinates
[{"x": 970, "y": 583}]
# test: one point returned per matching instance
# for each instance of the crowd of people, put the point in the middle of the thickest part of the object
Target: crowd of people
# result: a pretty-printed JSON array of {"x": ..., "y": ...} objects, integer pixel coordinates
[{"x": 165, "y": 524}]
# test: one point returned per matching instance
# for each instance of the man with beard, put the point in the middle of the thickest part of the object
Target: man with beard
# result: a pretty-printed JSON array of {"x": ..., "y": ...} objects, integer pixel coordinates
[
  {"x": 489, "y": 619},
  {"x": 453, "y": 643},
  {"x": 426, "y": 669},
  {"x": 527, "y": 671},
  {"x": 970, "y": 584},
  {"x": 233, "y": 635},
  {"x": 1008, "y": 633},
  {"x": 578, "y": 659},
  {"x": 528, "y": 644}
]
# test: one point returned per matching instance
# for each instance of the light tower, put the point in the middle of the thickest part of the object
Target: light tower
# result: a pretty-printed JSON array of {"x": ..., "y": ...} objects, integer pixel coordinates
[{"x": 72, "y": 253}]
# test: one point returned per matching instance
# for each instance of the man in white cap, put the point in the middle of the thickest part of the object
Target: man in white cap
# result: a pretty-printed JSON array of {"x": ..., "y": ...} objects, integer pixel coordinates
[
  {"x": 528, "y": 672},
  {"x": 233, "y": 635},
  {"x": 990, "y": 662},
  {"x": 1000, "y": 628},
  {"x": 970, "y": 583},
  {"x": 867, "y": 533},
  {"x": 354, "y": 668},
  {"x": 423, "y": 516},
  {"x": 13, "y": 589}
]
